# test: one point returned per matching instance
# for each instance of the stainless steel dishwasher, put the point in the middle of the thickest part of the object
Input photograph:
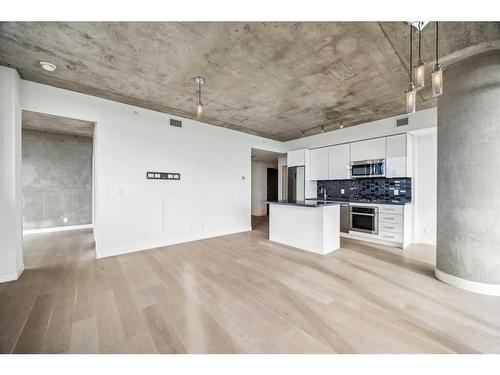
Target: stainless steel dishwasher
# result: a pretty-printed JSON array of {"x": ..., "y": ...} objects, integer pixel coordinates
[{"x": 344, "y": 218}]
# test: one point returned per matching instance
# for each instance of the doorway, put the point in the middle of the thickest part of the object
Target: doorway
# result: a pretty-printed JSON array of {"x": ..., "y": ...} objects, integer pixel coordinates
[
  {"x": 58, "y": 173},
  {"x": 265, "y": 184}
]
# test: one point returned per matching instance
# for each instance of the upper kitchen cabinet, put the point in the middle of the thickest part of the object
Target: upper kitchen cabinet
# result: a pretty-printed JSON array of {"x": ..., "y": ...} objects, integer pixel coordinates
[
  {"x": 339, "y": 162},
  {"x": 398, "y": 159},
  {"x": 368, "y": 150},
  {"x": 318, "y": 164},
  {"x": 297, "y": 157}
]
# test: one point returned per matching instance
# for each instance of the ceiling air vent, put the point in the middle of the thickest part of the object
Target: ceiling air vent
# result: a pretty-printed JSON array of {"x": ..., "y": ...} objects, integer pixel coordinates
[
  {"x": 176, "y": 123},
  {"x": 402, "y": 121}
]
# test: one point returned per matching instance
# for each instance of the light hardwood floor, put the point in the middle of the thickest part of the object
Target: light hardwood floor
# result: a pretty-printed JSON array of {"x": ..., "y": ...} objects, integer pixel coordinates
[{"x": 238, "y": 294}]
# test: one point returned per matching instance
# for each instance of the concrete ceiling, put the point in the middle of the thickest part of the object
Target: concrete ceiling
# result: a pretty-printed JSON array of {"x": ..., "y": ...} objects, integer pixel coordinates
[
  {"x": 265, "y": 78},
  {"x": 57, "y": 124}
]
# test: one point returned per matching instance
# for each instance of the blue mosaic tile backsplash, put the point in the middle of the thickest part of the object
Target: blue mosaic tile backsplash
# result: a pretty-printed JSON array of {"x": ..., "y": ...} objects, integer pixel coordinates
[{"x": 371, "y": 189}]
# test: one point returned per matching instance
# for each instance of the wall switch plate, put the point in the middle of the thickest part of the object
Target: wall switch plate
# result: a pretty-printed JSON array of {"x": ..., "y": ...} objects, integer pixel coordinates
[{"x": 342, "y": 191}]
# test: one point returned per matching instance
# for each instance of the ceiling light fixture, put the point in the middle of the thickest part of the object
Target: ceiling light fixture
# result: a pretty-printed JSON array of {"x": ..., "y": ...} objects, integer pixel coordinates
[
  {"x": 341, "y": 125},
  {"x": 437, "y": 72},
  {"x": 410, "y": 93},
  {"x": 420, "y": 67},
  {"x": 47, "y": 66},
  {"x": 200, "y": 81},
  {"x": 303, "y": 133},
  {"x": 322, "y": 129}
]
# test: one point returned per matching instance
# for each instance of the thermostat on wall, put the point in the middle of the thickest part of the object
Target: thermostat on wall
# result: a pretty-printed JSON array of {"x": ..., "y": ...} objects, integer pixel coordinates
[{"x": 163, "y": 176}]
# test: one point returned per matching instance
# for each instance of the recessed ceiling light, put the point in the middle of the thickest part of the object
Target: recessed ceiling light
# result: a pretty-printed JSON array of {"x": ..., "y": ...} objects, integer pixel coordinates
[{"x": 47, "y": 66}]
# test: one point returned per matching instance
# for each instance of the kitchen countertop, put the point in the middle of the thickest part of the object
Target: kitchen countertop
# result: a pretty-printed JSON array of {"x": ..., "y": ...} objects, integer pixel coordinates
[
  {"x": 306, "y": 203},
  {"x": 359, "y": 202}
]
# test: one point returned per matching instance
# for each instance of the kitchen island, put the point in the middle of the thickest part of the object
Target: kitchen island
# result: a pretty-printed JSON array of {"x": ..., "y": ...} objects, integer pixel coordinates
[{"x": 307, "y": 225}]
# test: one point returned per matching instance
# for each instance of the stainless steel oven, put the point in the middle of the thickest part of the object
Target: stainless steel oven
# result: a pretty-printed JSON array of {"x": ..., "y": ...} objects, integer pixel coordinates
[
  {"x": 364, "y": 219},
  {"x": 368, "y": 168}
]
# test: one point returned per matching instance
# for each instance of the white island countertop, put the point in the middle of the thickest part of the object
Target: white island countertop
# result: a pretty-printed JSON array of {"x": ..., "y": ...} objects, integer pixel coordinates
[{"x": 307, "y": 225}]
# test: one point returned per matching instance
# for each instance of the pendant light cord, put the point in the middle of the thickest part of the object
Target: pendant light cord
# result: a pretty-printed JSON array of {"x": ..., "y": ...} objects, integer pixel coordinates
[
  {"x": 419, "y": 42},
  {"x": 437, "y": 41},
  {"x": 199, "y": 91},
  {"x": 411, "y": 54}
]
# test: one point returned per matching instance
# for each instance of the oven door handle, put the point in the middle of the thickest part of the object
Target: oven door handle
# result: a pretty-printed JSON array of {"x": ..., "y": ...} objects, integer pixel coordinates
[{"x": 359, "y": 213}]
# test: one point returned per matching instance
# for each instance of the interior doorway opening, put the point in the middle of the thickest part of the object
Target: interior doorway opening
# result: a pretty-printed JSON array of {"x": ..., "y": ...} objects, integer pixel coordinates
[
  {"x": 266, "y": 176},
  {"x": 58, "y": 173}
]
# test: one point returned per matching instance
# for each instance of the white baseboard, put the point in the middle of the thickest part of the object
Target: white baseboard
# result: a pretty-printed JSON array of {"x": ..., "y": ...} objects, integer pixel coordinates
[
  {"x": 57, "y": 229},
  {"x": 471, "y": 286},
  {"x": 11, "y": 276}
]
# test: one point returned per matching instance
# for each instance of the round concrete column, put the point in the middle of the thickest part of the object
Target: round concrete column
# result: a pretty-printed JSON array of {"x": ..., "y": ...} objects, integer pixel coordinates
[{"x": 468, "y": 192}]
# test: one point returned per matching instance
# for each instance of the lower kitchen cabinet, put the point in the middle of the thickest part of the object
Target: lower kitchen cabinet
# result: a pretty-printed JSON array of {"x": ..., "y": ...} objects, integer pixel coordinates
[{"x": 394, "y": 225}]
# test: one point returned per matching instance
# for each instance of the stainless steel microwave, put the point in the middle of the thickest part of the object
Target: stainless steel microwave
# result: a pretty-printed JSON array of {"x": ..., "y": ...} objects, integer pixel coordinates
[{"x": 368, "y": 168}]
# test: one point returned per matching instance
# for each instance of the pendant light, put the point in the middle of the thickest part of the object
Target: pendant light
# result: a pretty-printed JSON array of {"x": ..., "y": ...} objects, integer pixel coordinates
[
  {"x": 420, "y": 67},
  {"x": 200, "y": 81},
  {"x": 437, "y": 72},
  {"x": 410, "y": 93}
]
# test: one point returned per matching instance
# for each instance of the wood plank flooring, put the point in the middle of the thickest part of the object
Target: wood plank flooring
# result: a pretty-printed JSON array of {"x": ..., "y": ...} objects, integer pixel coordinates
[{"x": 238, "y": 294}]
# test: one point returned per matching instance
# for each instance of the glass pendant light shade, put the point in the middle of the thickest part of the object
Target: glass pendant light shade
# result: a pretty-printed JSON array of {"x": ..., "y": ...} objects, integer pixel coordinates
[
  {"x": 199, "y": 110},
  {"x": 420, "y": 74},
  {"x": 437, "y": 80},
  {"x": 411, "y": 99}
]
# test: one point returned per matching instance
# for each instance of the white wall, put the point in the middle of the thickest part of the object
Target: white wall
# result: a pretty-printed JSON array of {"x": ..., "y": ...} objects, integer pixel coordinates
[
  {"x": 419, "y": 120},
  {"x": 212, "y": 198},
  {"x": 425, "y": 188},
  {"x": 259, "y": 186},
  {"x": 11, "y": 224}
]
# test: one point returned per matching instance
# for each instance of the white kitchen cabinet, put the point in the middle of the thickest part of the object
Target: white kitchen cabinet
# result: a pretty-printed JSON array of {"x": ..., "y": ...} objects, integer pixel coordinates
[
  {"x": 368, "y": 150},
  {"x": 394, "y": 225},
  {"x": 318, "y": 164},
  {"x": 296, "y": 158},
  {"x": 339, "y": 162},
  {"x": 397, "y": 154}
]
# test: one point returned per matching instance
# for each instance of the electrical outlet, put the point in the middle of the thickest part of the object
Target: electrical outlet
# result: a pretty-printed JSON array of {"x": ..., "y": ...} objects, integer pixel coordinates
[
  {"x": 396, "y": 192},
  {"x": 342, "y": 191},
  {"x": 65, "y": 219}
]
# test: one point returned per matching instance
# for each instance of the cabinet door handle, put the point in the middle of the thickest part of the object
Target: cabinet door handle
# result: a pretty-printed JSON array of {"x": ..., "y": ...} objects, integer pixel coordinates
[
  {"x": 389, "y": 227},
  {"x": 389, "y": 218}
]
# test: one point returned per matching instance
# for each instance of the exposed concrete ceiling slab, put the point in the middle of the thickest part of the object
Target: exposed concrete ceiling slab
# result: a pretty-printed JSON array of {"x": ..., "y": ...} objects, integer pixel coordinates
[
  {"x": 56, "y": 124},
  {"x": 274, "y": 79}
]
